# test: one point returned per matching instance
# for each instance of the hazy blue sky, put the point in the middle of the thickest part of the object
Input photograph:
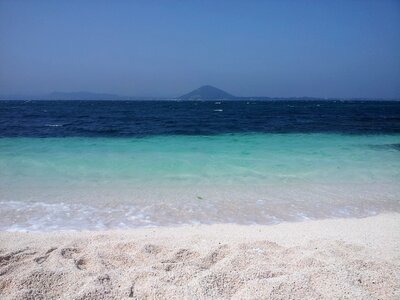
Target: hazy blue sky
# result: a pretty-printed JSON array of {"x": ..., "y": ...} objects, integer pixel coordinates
[{"x": 166, "y": 48}]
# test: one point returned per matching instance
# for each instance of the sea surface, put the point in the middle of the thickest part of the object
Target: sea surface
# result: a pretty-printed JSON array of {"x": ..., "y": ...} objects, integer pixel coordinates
[{"x": 115, "y": 164}]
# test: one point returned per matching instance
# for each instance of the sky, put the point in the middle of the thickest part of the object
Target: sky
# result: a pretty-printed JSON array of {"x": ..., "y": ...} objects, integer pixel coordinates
[{"x": 160, "y": 48}]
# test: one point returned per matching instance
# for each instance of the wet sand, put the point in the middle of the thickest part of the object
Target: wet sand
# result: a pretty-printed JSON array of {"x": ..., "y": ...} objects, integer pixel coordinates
[{"x": 324, "y": 259}]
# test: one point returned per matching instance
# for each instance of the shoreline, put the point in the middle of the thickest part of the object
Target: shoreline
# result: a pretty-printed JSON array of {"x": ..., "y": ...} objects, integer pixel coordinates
[{"x": 331, "y": 258}]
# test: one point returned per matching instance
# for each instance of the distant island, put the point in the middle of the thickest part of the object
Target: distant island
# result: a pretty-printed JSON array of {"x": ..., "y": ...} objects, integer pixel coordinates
[
  {"x": 203, "y": 93},
  {"x": 207, "y": 92}
]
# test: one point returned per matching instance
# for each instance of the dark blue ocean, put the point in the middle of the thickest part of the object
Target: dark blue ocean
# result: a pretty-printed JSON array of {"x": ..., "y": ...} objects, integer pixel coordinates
[{"x": 154, "y": 118}]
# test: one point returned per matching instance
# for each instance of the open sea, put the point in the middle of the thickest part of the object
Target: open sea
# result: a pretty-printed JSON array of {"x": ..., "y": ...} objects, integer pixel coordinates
[{"x": 116, "y": 164}]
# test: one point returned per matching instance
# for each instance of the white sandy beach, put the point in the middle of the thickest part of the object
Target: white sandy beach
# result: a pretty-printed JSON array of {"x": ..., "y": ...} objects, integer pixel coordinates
[{"x": 326, "y": 259}]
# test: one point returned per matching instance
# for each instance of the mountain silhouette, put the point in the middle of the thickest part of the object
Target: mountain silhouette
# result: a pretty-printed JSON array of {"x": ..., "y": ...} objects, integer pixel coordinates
[{"x": 207, "y": 92}]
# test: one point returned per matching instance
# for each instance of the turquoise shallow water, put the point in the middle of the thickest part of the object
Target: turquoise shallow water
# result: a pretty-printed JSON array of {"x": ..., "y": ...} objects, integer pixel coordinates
[{"x": 74, "y": 183}]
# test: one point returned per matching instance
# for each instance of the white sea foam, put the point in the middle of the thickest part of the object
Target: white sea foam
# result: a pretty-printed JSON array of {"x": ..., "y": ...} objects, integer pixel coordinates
[{"x": 87, "y": 214}]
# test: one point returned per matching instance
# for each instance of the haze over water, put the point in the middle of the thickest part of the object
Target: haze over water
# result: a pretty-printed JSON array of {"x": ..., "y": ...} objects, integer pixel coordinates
[{"x": 92, "y": 165}]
